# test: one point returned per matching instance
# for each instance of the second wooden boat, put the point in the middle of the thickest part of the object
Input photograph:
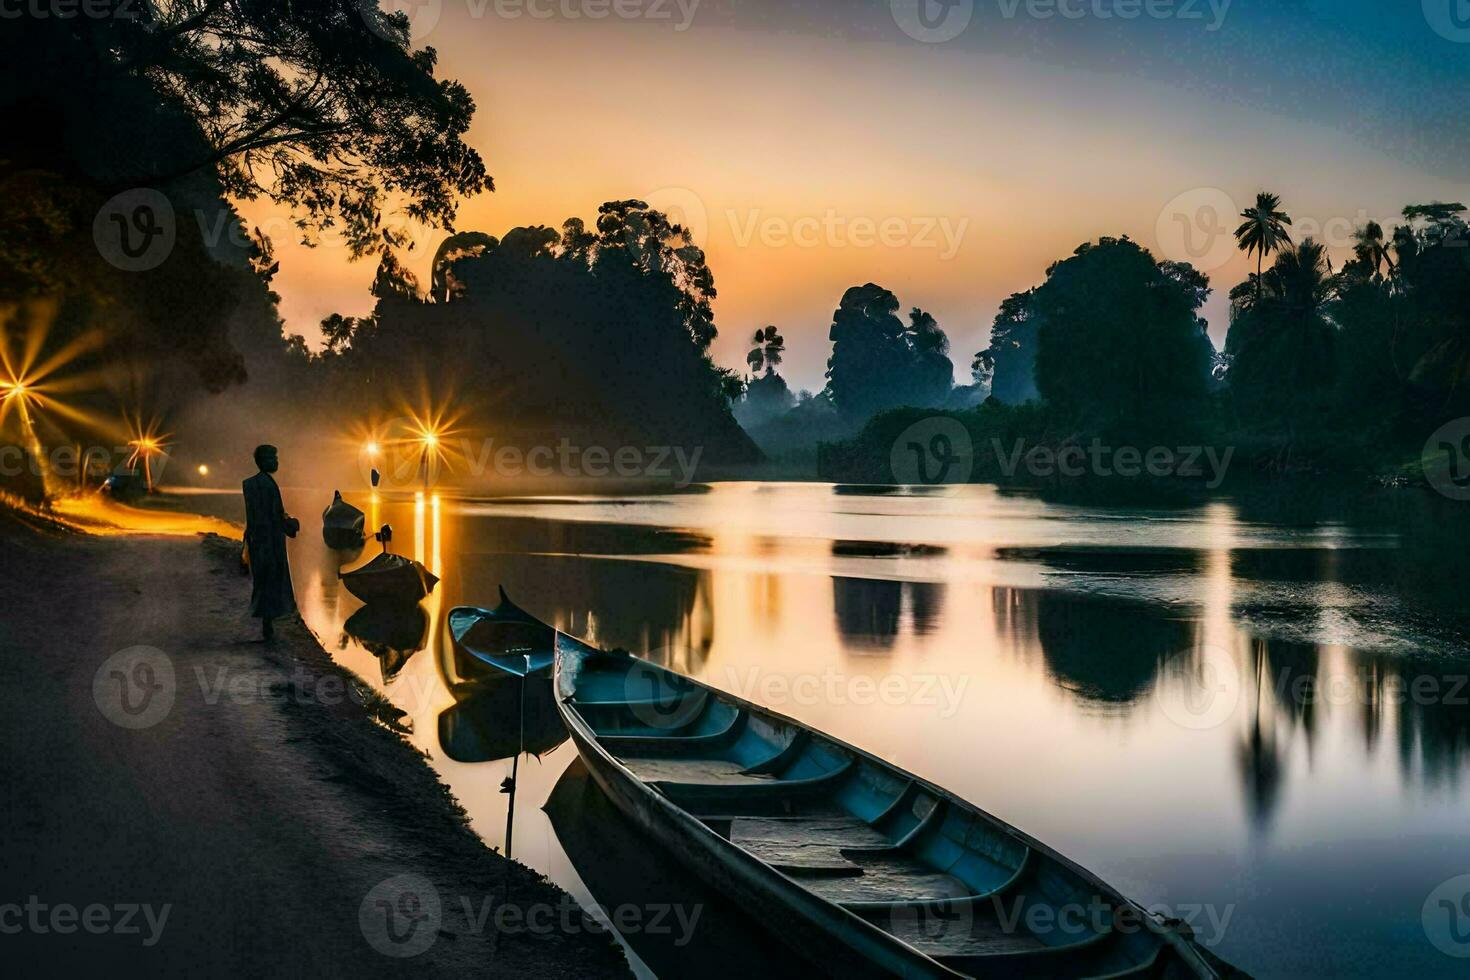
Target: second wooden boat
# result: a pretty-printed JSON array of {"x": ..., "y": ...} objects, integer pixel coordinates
[
  {"x": 862, "y": 868},
  {"x": 506, "y": 637},
  {"x": 342, "y": 525},
  {"x": 390, "y": 578}
]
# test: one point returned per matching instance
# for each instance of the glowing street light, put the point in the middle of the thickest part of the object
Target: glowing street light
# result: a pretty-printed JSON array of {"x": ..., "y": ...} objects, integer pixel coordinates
[
  {"x": 203, "y": 469},
  {"x": 429, "y": 440},
  {"x": 145, "y": 447}
]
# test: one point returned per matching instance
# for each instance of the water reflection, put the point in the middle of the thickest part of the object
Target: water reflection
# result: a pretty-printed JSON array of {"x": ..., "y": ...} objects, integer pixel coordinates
[
  {"x": 626, "y": 870},
  {"x": 391, "y": 633},
  {"x": 869, "y": 613},
  {"x": 499, "y": 717},
  {"x": 1208, "y": 703}
]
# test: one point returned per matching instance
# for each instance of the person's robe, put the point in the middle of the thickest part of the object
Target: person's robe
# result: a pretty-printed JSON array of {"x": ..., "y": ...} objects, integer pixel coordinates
[{"x": 265, "y": 542}]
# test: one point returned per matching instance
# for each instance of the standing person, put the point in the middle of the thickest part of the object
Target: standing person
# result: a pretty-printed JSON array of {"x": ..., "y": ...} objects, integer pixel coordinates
[{"x": 267, "y": 526}]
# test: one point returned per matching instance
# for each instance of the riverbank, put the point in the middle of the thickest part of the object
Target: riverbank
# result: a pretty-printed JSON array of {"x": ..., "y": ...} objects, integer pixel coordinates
[{"x": 182, "y": 798}]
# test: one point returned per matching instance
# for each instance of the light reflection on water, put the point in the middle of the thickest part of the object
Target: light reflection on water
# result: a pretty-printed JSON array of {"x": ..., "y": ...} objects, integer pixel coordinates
[{"x": 1199, "y": 704}]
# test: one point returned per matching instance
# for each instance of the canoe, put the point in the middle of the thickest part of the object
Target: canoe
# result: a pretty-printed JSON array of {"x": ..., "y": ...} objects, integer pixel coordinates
[
  {"x": 506, "y": 637},
  {"x": 342, "y": 525},
  {"x": 858, "y": 866},
  {"x": 390, "y": 578}
]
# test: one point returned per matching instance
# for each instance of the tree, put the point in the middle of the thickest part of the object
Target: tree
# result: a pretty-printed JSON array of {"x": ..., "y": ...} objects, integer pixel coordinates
[
  {"x": 769, "y": 346},
  {"x": 1370, "y": 248},
  {"x": 1011, "y": 357},
  {"x": 321, "y": 105},
  {"x": 442, "y": 284},
  {"x": 1282, "y": 344},
  {"x": 880, "y": 362},
  {"x": 1121, "y": 351},
  {"x": 657, "y": 246},
  {"x": 562, "y": 331},
  {"x": 1263, "y": 231},
  {"x": 1433, "y": 340}
]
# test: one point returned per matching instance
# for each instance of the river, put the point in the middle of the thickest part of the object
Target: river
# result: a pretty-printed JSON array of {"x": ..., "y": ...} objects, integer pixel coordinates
[{"x": 1251, "y": 713}]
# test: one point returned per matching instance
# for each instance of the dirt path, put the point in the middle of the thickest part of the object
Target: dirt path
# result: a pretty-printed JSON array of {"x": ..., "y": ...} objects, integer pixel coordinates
[{"x": 247, "y": 811}]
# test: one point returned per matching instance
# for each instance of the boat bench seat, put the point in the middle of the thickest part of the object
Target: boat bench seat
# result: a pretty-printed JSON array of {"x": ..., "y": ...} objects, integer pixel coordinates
[
  {"x": 806, "y": 844},
  {"x": 702, "y": 772}
]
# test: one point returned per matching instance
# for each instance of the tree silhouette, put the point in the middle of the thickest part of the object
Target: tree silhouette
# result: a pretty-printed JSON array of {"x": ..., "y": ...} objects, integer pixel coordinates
[
  {"x": 880, "y": 362},
  {"x": 321, "y": 105},
  {"x": 769, "y": 346},
  {"x": 1122, "y": 351},
  {"x": 1370, "y": 248},
  {"x": 1263, "y": 231},
  {"x": 1282, "y": 343},
  {"x": 1010, "y": 359}
]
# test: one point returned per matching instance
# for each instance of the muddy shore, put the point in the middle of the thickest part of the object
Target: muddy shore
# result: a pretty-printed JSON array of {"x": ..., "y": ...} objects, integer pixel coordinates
[{"x": 180, "y": 798}]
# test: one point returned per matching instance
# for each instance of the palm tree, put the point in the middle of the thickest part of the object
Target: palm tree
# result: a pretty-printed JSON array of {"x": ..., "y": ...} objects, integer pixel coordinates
[
  {"x": 1371, "y": 249},
  {"x": 1300, "y": 287},
  {"x": 1263, "y": 231}
]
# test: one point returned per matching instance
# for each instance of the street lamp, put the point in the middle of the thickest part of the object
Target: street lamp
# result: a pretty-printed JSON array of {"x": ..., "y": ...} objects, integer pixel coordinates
[
  {"x": 145, "y": 448},
  {"x": 430, "y": 442}
]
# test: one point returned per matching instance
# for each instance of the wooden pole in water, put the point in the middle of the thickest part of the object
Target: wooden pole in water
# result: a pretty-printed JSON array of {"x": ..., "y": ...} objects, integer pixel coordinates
[{"x": 515, "y": 766}]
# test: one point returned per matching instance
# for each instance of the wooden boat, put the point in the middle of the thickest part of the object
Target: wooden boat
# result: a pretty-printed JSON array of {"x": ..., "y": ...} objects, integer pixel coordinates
[
  {"x": 390, "y": 578},
  {"x": 506, "y": 637},
  {"x": 342, "y": 525},
  {"x": 860, "y": 867}
]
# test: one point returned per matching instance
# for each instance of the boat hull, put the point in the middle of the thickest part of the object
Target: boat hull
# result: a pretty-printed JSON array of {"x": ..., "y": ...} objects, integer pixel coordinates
[
  {"x": 924, "y": 909},
  {"x": 401, "y": 581},
  {"x": 813, "y": 933}
]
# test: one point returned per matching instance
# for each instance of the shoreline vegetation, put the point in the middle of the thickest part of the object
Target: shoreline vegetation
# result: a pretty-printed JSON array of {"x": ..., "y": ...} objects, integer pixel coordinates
[{"x": 271, "y": 786}]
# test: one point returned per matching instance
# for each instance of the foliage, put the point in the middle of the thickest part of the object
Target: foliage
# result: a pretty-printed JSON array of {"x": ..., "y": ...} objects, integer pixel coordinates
[
  {"x": 1122, "y": 347},
  {"x": 878, "y": 361},
  {"x": 599, "y": 332},
  {"x": 1008, "y": 365}
]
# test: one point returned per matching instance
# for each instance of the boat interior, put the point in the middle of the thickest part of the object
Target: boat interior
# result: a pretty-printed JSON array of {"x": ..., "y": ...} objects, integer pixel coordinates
[
  {"x": 905, "y": 857},
  {"x": 503, "y": 640}
]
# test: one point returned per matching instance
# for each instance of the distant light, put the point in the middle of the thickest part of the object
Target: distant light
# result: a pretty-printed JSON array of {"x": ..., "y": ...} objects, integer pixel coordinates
[
  {"x": 15, "y": 389},
  {"x": 431, "y": 440},
  {"x": 203, "y": 469},
  {"x": 372, "y": 448}
]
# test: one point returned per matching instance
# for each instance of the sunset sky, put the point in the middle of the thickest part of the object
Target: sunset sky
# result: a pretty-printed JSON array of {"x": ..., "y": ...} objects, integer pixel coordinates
[{"x": 817, "y": 145}]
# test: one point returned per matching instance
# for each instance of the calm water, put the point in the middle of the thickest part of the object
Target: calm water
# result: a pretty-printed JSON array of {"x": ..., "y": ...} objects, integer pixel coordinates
[{"x": 1251, "y": 706}]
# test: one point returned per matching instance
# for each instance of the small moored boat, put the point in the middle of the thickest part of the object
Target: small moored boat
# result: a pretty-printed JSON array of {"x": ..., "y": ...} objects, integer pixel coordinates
[
  {"x": 342, "y": 524},
  {"x": 390, "y": 578},
  {"x": 860, "y": 867},
  {"x": 506, "y": 637}
]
